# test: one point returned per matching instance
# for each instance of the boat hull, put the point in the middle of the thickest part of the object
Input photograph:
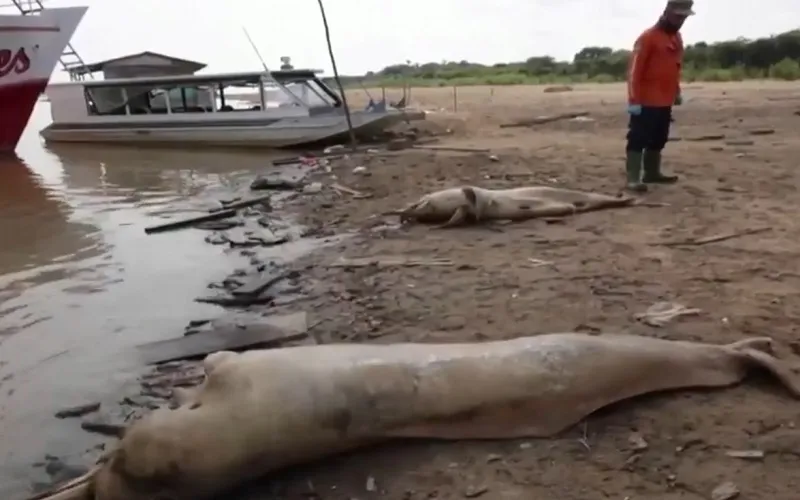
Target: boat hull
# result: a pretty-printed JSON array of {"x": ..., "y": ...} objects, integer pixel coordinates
[
  {"x": 266, "y": 133},
  {"x": 30, "y": 47}
]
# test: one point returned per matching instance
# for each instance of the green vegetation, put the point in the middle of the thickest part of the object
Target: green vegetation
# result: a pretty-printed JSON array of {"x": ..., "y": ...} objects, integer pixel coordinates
[{"x": 776, "y": 57}]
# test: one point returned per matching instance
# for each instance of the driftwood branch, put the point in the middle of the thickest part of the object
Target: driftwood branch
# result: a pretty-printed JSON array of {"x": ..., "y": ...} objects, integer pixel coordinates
[
  {"x": 715, "y": 238},
  {"x": 390, "y": 262},
  {"x": 545, "y": 119}
]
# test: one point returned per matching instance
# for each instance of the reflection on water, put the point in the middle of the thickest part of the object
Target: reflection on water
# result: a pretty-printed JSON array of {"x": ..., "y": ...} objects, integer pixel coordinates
[
  {"x": 40, "y": 242},
  {"x": 80, "y": 281}
]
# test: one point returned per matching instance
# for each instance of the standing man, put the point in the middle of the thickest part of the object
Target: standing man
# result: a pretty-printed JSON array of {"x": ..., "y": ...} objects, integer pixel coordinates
[{"x": 654, "y": 86}]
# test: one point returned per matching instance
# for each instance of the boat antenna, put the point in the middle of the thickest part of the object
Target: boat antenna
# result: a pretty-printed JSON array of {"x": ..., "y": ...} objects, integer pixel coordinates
[
  {"x": 268, "y": 72},
  {"x": 336, "y": 77},
  {"x": 255, "y": 49}
]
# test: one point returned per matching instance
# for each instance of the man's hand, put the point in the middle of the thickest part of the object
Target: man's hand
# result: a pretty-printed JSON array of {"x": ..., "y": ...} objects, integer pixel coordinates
[
  {"x": 634, "y": 109},
  {"x": 678, "y": 100}
]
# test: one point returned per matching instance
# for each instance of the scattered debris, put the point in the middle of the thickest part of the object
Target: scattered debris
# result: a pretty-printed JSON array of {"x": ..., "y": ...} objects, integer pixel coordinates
[
  {"x": 236, "y": 301},
  {"x": 101, "y": 426},
  {"x": 398, "y": 144},
  {"x": 180, "y": 224},
  {"x": 257, "y": 285},
  {"x": 313, "y": 188},
  {"x": 715, "y": 238},
  {"x": 475, "y": 491},
  {"x": 389, "y": 262},
  {"x": 710, "y": 137},
  {"x": 725, "y": 491},
  {"x": 661, "y": 313},
  {"x": 739, "y": 142},
  {"x": 545, "y": 119},
  {"x": 453, "y": 149},
  {"x": 637, "y": 442},
  {"x": 264, "y": 201},
  {"x": 78, "y": 411},
  {"x": 344, "y": 189},
  {"x": 275, "y": 331},
  {"x": 219, "y": 225},
  {"x": 746, "y": 454},
  {"x": 762, "y": 131},
  {"x": 277, "y": 183}
]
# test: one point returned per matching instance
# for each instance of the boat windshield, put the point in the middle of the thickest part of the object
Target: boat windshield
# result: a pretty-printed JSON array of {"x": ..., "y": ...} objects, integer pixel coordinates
[{"x": 307, "y": 92}]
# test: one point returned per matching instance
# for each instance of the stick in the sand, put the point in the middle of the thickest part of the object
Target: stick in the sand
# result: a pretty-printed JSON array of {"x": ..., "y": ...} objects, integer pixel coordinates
[
  {"x": 388, "y": 262},
  {"x": 180, "y": 224},
  {"x": 710, "y": 137},
  {"x": 715, "y": 238},
  {"x": 451, "y": 148},
  {"x": 245, "y": 203},
  {"x": 545, "y": 119},
  {"x": 344, "y": 189}
]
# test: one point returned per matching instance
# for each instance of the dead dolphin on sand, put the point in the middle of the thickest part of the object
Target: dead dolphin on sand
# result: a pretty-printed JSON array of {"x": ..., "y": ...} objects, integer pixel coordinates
[
  {"x": 458, "y": 205},
  {"x": 260, "y": 411}
]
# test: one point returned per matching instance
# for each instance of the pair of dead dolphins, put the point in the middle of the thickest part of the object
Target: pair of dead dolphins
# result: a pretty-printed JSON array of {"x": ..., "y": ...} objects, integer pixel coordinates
[{"x": 261, "y": 411}]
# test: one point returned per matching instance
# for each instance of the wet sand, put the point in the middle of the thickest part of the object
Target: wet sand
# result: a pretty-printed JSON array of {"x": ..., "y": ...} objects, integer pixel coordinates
[{"x": 591, "y": 273}]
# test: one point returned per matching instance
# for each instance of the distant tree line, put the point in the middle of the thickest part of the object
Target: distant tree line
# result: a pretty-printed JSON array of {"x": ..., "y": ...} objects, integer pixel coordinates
[{"x": 776, "y": 57}]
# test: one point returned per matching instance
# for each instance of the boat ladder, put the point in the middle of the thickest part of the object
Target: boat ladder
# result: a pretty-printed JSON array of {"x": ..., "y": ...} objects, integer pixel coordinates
[{"x": 70, "y": 60}]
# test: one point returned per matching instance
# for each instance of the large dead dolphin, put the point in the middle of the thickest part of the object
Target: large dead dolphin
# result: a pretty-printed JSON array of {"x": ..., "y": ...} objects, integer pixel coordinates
[
  {"x": 457, "y": 205},
  {"x": 260, "y": 411}
]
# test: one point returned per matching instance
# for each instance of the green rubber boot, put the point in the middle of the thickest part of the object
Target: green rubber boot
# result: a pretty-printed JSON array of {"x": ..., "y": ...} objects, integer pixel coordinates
[
  {"x": 633, "y": 170},
  {"x": 652, "y": 169}
]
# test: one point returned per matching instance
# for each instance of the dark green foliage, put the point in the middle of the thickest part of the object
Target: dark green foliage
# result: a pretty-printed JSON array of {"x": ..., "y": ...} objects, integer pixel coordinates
[{"x": 776, "y": 57}]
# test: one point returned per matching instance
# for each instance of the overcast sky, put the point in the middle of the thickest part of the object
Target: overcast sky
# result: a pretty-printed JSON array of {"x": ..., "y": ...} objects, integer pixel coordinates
[{"x": 371, "y": 34}]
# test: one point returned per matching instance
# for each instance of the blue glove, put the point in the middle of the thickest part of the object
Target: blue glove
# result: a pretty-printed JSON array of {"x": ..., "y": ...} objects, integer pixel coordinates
[
  {"x": 678, "y": 100},
  {"x": 634, "y": 109}
]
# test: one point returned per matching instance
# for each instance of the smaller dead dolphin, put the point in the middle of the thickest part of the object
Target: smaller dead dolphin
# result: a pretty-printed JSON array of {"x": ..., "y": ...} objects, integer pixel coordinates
[{"x": 458, "y": 205}]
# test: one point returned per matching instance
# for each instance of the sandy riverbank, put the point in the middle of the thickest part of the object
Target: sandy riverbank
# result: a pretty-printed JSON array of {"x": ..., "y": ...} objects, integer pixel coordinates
[
  {"x": 602, "y": 269},
  {"x": 607, "y": 266}
]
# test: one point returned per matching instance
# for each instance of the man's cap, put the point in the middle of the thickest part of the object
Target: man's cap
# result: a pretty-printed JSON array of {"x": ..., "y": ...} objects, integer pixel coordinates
[{"x": 681, "y": 7}]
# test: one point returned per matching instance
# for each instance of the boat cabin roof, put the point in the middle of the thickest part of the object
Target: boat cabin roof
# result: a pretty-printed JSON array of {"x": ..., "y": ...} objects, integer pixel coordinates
[
  {"x": 147, "y": 57},
  {"x": 252, "y": 77}
]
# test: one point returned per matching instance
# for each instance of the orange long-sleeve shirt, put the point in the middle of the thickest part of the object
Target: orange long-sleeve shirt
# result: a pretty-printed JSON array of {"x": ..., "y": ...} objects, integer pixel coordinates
[{"x": 654, "y": 71}]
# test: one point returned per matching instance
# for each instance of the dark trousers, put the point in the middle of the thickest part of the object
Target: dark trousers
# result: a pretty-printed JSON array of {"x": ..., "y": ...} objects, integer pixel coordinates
[{"x": 649, "y": 130}]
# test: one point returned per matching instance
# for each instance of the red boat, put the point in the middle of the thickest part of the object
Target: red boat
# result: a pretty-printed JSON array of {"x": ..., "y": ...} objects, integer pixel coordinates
[{"x": 30, "y": 48}]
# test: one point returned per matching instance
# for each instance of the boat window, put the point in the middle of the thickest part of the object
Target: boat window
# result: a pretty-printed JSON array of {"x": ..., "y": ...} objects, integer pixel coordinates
[
  {"x": 106, "y": 100},
  {"x": 238, "y": 96},
  {"x": 226, "y": 96},
  {"x": 182, "y": 99},
  {"x": 146, "y": 99}
]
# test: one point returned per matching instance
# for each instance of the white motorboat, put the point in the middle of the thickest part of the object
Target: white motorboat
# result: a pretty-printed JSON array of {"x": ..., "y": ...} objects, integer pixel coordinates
[{"x": 276, "y": 109}]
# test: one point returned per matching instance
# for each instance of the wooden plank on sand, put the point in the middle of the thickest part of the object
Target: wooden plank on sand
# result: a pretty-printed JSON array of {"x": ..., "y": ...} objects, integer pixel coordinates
[{"x": 275, "y": 331}]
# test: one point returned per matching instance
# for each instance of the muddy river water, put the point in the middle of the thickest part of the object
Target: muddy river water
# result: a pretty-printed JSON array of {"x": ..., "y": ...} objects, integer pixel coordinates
[{"x": 81, "y": 283}]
